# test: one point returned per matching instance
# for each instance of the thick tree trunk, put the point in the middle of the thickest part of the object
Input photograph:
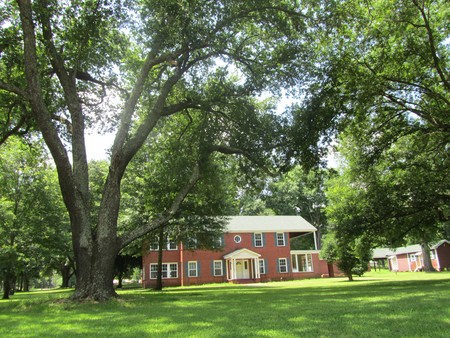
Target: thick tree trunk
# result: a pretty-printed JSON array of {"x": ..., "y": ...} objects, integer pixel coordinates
[
  {"x": 6, "y": 286},
  {"x": 95, "y": 279},
  {"x": 65, "y": 270},
  {"x": 427, "y": 265},
  {"x": 26, "y": 283}
]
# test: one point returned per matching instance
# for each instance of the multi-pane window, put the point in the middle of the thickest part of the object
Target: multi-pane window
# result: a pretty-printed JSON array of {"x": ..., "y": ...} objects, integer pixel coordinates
[
  {"x": 218, "y": 269},
  {"x": 258, "y": 239},
  {"x": 153, "y": 271},
  {"x": 191, "y": 243},
  {"x": 280, "y": 239},
  {"x": 192, "y": 269},
  {"x": 262, "y": 267},
  {"x": 173, "y": 270},
  {"x": 413, "y": 258},
  {"x": 218, "y": 242},
  {"x": 169, "y": 270},
  {"x": 171, "y": 244},
  {"x": 282, "y": 265},
  {"x": 302, "y": 263}
]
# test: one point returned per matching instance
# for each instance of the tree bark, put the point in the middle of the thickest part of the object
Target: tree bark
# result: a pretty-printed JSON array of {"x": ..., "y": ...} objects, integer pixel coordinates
[
  {"x": 66, "y": 272},
  {"x": 427, "y": 265},
  {"x": 6, "y": 286},
  {"x": 26, "y": 283},
  {"x": 159, "y": 285}
]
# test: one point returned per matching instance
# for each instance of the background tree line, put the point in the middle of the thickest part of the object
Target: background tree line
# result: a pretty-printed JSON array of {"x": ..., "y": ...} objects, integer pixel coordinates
[{"x": 187, "y": 80}]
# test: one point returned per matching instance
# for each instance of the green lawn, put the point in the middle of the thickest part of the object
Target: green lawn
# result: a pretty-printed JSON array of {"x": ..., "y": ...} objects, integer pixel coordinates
[{"x": 381, "y": 304}]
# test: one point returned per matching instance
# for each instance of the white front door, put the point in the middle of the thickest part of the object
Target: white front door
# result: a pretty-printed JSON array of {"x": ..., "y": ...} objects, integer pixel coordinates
[{"x": 242, "y": 269}]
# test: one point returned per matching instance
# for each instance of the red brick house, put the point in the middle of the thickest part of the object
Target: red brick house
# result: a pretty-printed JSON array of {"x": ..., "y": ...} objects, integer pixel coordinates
[
  {"x": 410, "y": 258},
  {"x": 253, "y": 249}
]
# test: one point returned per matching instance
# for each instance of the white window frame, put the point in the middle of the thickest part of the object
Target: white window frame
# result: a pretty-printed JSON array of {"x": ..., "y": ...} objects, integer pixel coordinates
[
  {"x": 280, "y": 239},
  {"x": 216, "y": 268},
  {"x": 237, "y": 239},
  {"x": 262, "y": 267},
  {"x": 258, "y": 239},
  {"x": 172, "y": 245},
  {"x": 432, "y": 254},
  {"x": 192, "y": 269},
  {"x": 283, "y": 266},
  {"x": 169, "y": 270},
  {"x": 412, "y": 257},
  {"x": 295, "y": 258}
]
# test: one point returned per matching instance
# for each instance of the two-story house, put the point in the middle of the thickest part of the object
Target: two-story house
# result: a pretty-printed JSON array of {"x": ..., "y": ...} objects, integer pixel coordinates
[{"x": 253, "y": 249}]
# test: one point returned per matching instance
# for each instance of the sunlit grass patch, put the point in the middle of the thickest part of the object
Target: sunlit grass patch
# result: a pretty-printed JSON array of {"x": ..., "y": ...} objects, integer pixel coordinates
[{"x": 379, "y": 304}]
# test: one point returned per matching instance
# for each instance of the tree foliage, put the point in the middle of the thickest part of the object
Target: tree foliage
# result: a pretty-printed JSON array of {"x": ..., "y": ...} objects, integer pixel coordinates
[
  {"x": 34, "y": 225},
  {"x": 199, "y": 64}
]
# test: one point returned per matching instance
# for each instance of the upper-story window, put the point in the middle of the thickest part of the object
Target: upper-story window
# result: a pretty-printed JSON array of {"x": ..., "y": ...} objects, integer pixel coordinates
[
  {"x": 280, "y": 239},
  {"x": 170, "y": 245},
  {"x": 237, "y": 239},
  {"x": 258, "y": 239}
]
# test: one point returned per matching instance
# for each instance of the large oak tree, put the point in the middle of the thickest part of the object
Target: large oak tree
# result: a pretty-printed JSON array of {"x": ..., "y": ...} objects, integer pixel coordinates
[{"x": 130, "y": 66}]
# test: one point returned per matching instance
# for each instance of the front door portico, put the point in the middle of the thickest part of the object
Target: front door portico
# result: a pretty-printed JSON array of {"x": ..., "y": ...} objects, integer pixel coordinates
[{"x": 242, "y": 264}]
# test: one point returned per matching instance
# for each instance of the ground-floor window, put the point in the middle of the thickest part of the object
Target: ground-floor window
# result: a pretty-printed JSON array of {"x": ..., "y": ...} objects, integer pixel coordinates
[
  {"x": 262, "y": 267},
  {"x": 302, "y": 263},
  {"x": 169, "y": 270},
  {"x": 218, "y": 268},
  {"x": 192, "y": 269},
  {"x": 282, "y": 265}
]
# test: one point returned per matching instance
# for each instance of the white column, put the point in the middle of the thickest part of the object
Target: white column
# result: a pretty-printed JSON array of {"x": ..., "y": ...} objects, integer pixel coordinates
[
  {"x": 315, "y": 240},
  {"x": 233, "y": 271}
]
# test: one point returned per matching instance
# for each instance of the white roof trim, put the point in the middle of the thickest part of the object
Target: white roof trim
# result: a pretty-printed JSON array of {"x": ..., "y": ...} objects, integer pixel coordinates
[
  {"x": 268, "y": 224},
  {"x": 242, "y": 254}
]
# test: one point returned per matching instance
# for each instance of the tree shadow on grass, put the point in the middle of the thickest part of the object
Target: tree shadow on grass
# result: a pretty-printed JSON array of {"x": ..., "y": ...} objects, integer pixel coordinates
[{"x": 375, "y": 308}]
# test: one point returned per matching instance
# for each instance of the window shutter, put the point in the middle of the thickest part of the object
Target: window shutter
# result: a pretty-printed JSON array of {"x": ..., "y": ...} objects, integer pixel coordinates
[
  {"x": 288, "y": 264},
  {"x": 253, "y": 239},
  {"x": 212, "y": 267},
  {"x": 198, "y": 269},
  {"x": 186, "y": 269},
  {"x": 266, "y": 266},
  {"x": 264, "y": 239},
  {"x": 224, "y": 267},
  {"x": 278, "y": 264}
]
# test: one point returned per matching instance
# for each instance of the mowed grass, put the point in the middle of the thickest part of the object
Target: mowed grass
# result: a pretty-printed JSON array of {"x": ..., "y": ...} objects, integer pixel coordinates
[{"x": 381, "y": 304}]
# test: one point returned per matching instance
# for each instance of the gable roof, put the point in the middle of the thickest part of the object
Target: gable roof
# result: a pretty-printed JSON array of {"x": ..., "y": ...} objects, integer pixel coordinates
[
  {"x": 242, "y": 254},
  {"x": 438, "y": 244},
  {"x": 415, "y": 248},
  {"x": 268, "y": 224}
]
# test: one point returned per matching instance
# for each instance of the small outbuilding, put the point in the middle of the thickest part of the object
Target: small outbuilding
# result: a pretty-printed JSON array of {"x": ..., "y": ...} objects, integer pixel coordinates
[{"x": 409, "y": 258}]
